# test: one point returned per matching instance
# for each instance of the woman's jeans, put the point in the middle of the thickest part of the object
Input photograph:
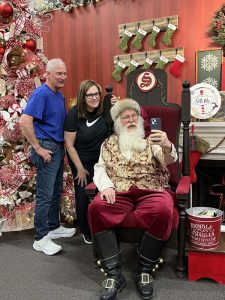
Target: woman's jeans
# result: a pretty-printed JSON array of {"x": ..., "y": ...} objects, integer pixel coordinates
[
  {"x": 81, "y": 198},
  {"x": 49, "y": 185}
]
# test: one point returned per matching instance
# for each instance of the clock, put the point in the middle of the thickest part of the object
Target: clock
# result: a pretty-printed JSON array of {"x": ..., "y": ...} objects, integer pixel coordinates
[{"x": 205, "y": 101}]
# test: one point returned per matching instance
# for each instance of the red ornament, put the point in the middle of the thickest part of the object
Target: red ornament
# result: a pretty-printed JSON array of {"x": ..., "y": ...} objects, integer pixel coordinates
[
  {"x": 30, "y": 44},
  {"x": 2, "y": 50},
  {"x": 66, "y": 2},
  {"x": 6, "y": 10}
]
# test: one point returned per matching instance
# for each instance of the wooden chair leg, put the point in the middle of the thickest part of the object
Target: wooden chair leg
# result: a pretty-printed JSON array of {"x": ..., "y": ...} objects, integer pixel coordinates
[{"x": 181, "y": 268}]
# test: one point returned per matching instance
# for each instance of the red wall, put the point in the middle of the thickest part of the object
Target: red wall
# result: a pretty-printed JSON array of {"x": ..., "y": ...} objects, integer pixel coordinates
[{"x": 87, "y": 38}]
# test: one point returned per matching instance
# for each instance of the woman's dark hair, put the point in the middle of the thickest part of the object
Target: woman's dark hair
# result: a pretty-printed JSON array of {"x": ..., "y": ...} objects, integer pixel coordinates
[{"x": 81, "y": 94}]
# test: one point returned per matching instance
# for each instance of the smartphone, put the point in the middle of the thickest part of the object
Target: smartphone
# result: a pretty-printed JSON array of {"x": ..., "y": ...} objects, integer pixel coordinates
[{"x": 155, "y": 123}]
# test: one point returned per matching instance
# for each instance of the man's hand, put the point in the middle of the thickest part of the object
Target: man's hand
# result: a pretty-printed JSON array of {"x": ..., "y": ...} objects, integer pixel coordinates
[
  {"x": 81, "y": 176},
  {"x": 109, "y": 195},
  {"x": 159, "y": 137},
  {"x": 44, "y": 153}
]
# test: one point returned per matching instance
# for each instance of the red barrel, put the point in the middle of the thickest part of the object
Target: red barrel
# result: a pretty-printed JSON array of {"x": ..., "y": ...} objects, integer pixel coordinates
[{"x": 204, "y": 230}]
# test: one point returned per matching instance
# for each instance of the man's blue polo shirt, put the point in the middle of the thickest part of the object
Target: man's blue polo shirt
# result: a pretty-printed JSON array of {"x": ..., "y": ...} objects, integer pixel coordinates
[{"x": 48, "y": 109}]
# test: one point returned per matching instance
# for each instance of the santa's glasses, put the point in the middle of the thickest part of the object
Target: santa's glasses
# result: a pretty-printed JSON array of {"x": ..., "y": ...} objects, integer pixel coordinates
[{"x": 127, "y": 118}]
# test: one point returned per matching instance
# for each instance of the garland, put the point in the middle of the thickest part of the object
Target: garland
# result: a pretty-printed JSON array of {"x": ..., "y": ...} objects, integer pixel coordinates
[{"x": 44, "y": 6}]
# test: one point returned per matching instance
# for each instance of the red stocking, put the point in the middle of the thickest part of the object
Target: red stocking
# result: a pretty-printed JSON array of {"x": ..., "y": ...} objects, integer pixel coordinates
[
  {"x": 176, "y": 65},
  {"x": 194, "y": 157}
]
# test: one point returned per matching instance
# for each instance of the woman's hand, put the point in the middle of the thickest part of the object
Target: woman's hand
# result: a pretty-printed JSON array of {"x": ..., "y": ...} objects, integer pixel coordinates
[
  {"x": 81, "y": 176},
  {"x": 109, "y": 195},
  {"x": 114, "y": 99}
]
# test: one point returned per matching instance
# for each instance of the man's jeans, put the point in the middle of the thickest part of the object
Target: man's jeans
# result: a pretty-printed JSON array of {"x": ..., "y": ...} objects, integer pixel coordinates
[{"x": 49, "y": 185}]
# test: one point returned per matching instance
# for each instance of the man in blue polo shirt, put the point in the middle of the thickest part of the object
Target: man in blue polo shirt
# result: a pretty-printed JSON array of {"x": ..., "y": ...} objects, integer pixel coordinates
[{"x": 42, "y": 125}]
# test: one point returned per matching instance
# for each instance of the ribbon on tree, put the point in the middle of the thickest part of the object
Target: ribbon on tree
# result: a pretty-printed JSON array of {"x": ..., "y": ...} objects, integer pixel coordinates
[{"x": 19, "y": 157}]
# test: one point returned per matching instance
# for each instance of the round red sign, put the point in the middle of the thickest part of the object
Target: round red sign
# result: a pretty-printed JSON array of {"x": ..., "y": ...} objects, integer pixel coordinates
[{"x": 146, "y": 81}]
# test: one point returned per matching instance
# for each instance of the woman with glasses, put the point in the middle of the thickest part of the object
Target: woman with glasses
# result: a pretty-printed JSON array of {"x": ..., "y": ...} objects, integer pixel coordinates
[{"x": 85, "y": 130}]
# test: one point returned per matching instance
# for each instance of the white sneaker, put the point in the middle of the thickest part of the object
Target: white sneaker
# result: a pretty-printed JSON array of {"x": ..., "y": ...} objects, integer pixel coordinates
[
  {"x": 47, "y": 246},
  {"x": 61, "y": 232}
]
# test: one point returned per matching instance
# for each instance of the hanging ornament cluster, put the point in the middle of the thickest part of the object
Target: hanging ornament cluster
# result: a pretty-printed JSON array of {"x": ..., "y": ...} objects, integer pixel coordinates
[
  {"x": 217, "y": 28},
  {"x": 6, "y": 10},
  {"x": 43, "y": 6}
]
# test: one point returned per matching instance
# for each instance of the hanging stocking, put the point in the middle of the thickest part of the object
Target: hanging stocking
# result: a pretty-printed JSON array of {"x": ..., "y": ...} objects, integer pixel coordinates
[
  {"x": 116, "y": 74},
  {"x": 123, "y": 45},
  {"x": 147, "y": 64},
  {"x": 167, "y": 37},
  {"x": 176, "y": 65},
  {"x": 198, "y": 147},
  {"x": 155, "y": 32},
  {"x": 194, "y": 157},
  {"x": 137, "y": 42},
  {"x": 133, "y": 65},
  {"x": 163, "y": 61}
]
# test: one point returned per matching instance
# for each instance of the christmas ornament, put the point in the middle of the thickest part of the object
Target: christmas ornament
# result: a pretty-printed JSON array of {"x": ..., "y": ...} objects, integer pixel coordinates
[
  {"x": 15, "y": 57},
  {"x": 155, "y": 32},
  {"x": 167, "y": 37},
  {"x": 116, "y": 74},
  {"x": 163, "y": 61},
  {"x": 137, "y": 42},
  {"x": 133, "y": 66},
  {"x": 175, "y": 68},
  {"x": 2, "y": 50},
  {"x": 123, "y": 45},
  {"x": 30, "y": 44},
  {"x": 6, "y": 10}
]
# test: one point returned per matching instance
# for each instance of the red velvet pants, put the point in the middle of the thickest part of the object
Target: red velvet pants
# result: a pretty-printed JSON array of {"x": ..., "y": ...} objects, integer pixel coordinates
[{"x": 153, "y": 211}]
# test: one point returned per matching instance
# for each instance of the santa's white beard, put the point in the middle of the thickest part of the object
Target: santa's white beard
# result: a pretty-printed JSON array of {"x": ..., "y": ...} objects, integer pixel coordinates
[{"x": 131, "y": 139}]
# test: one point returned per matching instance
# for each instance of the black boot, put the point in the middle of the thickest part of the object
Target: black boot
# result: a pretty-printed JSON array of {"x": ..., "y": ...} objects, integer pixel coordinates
[
  {"x": 106, "y": 246},
  {"x": 149, "y": 255}
]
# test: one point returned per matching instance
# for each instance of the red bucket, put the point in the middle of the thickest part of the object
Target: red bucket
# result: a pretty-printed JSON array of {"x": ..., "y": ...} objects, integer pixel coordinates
[{"x": 204, "y": 229}]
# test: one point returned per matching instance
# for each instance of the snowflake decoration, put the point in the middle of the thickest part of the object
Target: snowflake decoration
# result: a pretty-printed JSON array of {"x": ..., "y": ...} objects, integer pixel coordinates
[
  {"x": 209, "y": 62},
  {"x": 211, "y": 81}
]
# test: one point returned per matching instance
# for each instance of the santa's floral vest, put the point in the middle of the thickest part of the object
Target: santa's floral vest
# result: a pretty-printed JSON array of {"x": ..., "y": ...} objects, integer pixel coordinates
[{"x": 142, "y": 170}]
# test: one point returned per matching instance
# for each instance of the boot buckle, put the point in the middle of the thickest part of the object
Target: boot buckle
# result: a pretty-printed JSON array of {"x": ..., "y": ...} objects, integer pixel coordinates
[
  {"x": 146, "y": 278},
  {"x": 109, "y": 283}
]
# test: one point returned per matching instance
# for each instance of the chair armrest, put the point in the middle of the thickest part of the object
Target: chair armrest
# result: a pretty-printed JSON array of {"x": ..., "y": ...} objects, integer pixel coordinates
[
  {"x": 183, "y": 188},
  {"x": 91, "y": 190}
]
